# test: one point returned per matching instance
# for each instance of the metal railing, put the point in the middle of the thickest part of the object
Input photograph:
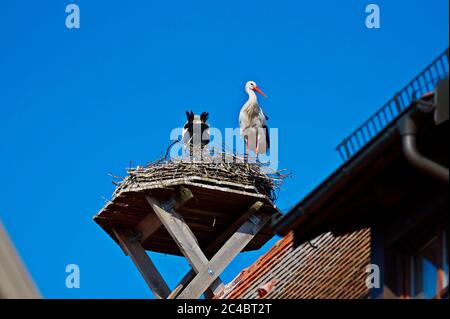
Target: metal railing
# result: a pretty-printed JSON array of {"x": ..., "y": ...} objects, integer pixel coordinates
[{"x": 424, "y": 83}]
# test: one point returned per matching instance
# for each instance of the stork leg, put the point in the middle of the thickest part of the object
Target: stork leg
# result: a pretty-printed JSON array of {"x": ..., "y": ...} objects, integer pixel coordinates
[
  {"x": 247, "y": 150},
  {"x": 257, "y": 146}
]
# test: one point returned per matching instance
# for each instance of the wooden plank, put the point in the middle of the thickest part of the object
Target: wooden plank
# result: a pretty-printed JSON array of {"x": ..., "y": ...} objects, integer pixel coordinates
[
  {"x": 224, "y": 256},
  {"x": 144, "y": 264},
  {"x": 214, "y": 246},
  {"x": 148, "y": 226},
  {"x": 180, "y": 232},
  {"x": 142, "y": 187},
  {"x": 183, "y": 283},
  {"x": 151, "y": 222},
  {"x": 183, "y": 237}
]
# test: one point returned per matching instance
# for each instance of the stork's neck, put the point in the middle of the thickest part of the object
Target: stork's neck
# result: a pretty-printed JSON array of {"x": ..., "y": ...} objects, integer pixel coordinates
[{"x": 251, "y": 96}]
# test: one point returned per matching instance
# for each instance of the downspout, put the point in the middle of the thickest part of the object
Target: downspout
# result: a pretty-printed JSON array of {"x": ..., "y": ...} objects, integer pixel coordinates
[{"x": 408, "y": 130}]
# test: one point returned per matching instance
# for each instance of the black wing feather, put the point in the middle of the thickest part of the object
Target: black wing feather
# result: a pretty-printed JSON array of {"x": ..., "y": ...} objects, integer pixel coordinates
[{"x": 204, "y": 117}]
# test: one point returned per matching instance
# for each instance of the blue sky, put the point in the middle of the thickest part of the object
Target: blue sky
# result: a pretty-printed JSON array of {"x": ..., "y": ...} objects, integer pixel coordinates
[{"x": 77, "y": 104}]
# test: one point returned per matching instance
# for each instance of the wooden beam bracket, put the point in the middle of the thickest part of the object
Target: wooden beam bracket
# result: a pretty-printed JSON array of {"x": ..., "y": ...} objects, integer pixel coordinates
[{"x": 136, "y": 237}]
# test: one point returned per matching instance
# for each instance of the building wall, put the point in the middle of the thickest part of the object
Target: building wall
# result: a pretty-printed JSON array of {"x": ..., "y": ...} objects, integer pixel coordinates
[{"x": 15, "y": 282}]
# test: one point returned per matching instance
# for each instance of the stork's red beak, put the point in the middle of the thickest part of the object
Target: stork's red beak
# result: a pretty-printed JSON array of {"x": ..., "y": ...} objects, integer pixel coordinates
[{"x": 257, "y": 89}]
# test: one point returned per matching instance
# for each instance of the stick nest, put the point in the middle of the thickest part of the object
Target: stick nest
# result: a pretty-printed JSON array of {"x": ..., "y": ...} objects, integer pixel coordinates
[{"x": 221, "y": 169}]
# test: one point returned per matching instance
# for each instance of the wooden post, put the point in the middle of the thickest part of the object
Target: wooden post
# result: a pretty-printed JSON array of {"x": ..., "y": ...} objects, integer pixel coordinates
[
  {"x": 182, "y": 284},
  {"x": 151, "y": 223},
  {"x": 144, "y": 264},
  {"x": 212, "y": 248},
  {"x": 224, "y": 256},
  {"x": 183, "y": 237}
]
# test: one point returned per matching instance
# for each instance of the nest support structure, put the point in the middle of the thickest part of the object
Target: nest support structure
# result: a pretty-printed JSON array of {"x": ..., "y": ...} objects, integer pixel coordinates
[{"x": 207, "y": 211}]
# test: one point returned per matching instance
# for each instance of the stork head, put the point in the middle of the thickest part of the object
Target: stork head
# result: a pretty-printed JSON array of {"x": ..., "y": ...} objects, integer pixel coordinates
[{"x": 251, "y": 85}]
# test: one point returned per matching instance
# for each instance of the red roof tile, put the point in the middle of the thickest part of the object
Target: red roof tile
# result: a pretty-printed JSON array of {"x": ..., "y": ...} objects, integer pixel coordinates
[{"x": 335, "y": 269}]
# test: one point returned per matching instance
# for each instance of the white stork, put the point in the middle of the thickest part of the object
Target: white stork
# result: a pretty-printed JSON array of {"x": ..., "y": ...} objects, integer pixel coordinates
[
  {"x": 196, "y": 131},
  {"x": 253, "y": 122}
]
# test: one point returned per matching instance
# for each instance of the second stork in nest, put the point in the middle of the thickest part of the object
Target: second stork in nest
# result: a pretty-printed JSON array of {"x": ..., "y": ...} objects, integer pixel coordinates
[{"x": 195, "y": 132}]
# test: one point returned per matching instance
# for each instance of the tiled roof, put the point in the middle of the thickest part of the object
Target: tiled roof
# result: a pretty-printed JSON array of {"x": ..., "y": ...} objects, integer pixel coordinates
[{"x": 335, "y": 269}]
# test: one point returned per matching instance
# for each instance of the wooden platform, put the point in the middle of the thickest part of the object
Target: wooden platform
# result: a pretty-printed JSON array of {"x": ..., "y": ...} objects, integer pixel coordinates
[{"x": 214, "y": 213}]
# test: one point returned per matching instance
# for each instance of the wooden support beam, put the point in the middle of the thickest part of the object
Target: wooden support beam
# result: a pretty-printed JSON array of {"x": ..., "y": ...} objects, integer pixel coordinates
[
  {"x": 151, "y": 223},
  {"x": 152, "y": 277},
  {"x": 209, "y": 294},
  {"x": 148, "y": 226},
  {"x": 214, "y": 246},
  {"x": 180, "y": 232},
  {"x": 183, "y": 283},
  {"x": 224, "y": 256},
  {"x": 182, "y": 195},
  {"x": 183, "y": 236}
]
